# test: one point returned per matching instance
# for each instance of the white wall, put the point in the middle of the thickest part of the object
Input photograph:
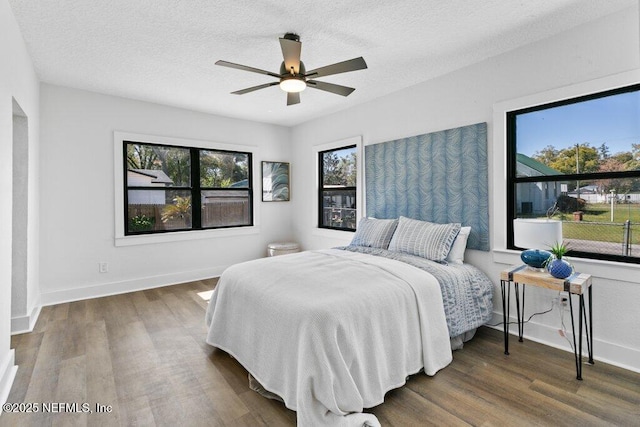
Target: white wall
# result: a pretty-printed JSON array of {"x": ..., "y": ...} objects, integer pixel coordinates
[
  {"x": 77, "y": 204},
  {"x": 608, "y": 46},
  {"x": 17, "y": 81}
]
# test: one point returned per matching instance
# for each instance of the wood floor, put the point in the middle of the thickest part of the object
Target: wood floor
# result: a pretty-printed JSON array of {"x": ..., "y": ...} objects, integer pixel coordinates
[{"x": 144, "y": 354}]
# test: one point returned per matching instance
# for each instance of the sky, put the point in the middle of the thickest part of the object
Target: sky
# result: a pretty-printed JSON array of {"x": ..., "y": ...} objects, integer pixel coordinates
[{"x": 614, "y": 120}]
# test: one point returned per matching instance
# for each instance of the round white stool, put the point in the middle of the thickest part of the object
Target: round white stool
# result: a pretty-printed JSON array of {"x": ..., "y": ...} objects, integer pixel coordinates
[{"x": 275, "y": 249}]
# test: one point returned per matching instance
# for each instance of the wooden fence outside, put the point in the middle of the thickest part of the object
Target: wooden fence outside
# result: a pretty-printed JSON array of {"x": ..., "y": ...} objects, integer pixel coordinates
[{"x": 214, "y": 214}]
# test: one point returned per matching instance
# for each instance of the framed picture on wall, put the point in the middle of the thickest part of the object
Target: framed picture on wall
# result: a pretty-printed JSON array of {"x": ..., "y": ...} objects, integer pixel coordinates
[{"x": 275, "y": 182}]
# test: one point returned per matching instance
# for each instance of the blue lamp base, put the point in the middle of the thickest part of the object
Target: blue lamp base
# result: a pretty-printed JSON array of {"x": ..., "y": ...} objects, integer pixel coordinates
[{"x": 535, "y": 258}]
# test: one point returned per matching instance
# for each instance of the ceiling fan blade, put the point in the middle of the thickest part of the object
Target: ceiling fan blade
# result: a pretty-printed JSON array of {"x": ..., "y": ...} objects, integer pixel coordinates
[
  {"x": 330, "y": 87},
  {"x": 246, "y": 68},
  {"x": 341, "y": 67},
  {"x": 251, "y": 89},
  {"x": 293, "y": 98},
  {"x": 291, "y": 53}
]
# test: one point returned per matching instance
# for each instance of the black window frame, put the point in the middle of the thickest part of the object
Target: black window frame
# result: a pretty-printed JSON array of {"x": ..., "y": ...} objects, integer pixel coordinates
[
  {"x": 513, "y": 180},
  {"x": 195, "y": 188},
  {"x": 322, "y": 188}
]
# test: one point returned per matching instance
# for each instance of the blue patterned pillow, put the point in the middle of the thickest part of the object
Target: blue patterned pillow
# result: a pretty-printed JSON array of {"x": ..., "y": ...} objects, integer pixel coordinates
[
  {"x": 424, "y": 239},
  {"x": 374, "y": 233}
]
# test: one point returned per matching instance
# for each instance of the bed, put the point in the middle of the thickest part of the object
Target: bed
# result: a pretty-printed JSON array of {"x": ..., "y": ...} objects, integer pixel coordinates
[{"x": 330, "y": 331}]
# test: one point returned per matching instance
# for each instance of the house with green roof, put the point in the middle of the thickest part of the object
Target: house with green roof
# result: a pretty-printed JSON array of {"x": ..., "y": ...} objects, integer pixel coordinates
[{"x": 535, "y": 198}]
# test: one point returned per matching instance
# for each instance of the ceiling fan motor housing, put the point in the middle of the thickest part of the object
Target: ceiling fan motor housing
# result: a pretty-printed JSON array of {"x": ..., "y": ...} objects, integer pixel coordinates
[
  {"x": 301, "y": 73},
  {"x": 292, "y": 36}
]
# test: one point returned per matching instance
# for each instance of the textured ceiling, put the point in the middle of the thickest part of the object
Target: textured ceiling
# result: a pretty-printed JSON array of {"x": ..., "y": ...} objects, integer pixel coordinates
[{"x": 164, "y": 51}]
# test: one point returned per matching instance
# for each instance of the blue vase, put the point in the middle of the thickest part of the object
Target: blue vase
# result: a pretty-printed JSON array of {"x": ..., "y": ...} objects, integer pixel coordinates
[
  {"x": 559, "y": 268},
  {"x": 534, "y": 257}
]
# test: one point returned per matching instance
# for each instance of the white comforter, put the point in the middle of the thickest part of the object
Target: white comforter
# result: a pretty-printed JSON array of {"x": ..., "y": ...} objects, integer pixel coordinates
[{"x": 330, "y": 331}]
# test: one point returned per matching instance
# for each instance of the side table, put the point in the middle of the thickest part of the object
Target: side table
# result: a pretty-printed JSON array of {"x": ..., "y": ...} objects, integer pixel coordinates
[{"x": 577, "y": 284}]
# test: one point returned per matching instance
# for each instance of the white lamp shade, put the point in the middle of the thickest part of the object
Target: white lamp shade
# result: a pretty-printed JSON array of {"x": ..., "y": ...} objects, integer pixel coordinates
[{"x": 536, "y": 233}]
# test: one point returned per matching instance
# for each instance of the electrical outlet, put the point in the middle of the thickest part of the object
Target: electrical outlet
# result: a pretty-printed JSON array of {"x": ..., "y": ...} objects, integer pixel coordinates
[{"x": 103, "y": 267}]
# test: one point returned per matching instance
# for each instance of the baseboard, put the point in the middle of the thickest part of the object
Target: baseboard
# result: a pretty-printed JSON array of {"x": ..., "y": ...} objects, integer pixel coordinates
[
  {"x": 7, "y": 374},
  {"x": 122, "y": 287},
  {"x": 25, "y": 324},
  {"x": 613, "y": 354}
]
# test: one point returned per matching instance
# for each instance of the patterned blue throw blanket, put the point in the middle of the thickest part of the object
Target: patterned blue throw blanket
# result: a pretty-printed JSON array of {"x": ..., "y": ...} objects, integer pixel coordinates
[{"x": 466, "y": 291}]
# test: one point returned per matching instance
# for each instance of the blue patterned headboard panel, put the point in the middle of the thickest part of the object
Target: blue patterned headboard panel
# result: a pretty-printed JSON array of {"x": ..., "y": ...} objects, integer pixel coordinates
[{"x": 439, "y": 177}]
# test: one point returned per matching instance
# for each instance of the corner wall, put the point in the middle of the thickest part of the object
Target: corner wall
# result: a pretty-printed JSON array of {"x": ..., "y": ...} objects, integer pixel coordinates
[
  {"x": 78, "y": 205},
  {"x": 602, "y": 48},
  {"x": 18, "y": 81}
]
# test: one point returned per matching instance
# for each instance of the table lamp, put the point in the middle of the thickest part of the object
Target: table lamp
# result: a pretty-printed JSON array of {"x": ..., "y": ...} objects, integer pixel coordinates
[{"x": 533, "y": 235}]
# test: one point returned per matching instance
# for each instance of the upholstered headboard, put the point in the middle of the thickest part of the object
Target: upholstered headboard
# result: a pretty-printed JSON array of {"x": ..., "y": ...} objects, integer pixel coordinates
[{"x": 439, "y": 177}]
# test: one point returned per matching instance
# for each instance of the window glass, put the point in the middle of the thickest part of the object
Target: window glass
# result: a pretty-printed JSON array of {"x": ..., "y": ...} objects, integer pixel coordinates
[
  {"x": 338, "y": 209},
  {"x": 165, "y": 193},
  {"x": 592, "y": 136},
  {"x": 578, "y": 161},
  {"x": 220, "y": 169},
  {"x": 338, "y": 173},
  {"x": 223, "y": 208},
  {"x": 158, "y": 210},
  {"x": 158, "y": 166},
  {"x": 339, "y": 167}
]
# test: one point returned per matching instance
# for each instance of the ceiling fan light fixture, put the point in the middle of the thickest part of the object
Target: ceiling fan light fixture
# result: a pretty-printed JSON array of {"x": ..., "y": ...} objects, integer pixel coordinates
[
  {"x": 293, "y": 84},
  {"x": 293, "y": 77}
]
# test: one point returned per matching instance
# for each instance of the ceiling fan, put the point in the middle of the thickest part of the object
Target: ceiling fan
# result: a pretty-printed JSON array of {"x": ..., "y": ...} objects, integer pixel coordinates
[{"x": 293, "y": 77}]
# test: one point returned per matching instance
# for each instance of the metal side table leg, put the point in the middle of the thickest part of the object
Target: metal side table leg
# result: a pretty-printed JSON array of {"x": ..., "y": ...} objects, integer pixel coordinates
[
  {"x": 589, "y": 328},
  {"x": 505, "y": 287},
  {"x": 578, "y": 358},
  {"x": 520, "y": 309}
]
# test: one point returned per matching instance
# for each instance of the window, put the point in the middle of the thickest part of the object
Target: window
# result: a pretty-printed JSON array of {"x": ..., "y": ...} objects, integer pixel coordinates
[
  {"x": 172, "y": 188},
  {"x": 337, "y": 195},
  {"x": 579, "y": 161}
]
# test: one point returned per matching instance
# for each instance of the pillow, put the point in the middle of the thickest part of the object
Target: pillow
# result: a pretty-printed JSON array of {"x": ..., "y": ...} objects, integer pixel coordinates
[
  {"x": 424, "y": 239},
  {"x": 456, "y": 254},
  {"x": 374, "y": 233}
]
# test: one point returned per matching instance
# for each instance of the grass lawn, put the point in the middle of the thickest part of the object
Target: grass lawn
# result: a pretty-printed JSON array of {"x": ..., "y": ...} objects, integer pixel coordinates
[
  {"x": 601, "y": 212},
  {"x": 596, "y": 223}
]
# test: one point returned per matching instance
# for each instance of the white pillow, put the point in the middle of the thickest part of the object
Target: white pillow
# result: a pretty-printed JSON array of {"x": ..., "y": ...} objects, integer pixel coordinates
[
  {"x": 424, "y": 239},
  {"x": 456, "y": 254}
]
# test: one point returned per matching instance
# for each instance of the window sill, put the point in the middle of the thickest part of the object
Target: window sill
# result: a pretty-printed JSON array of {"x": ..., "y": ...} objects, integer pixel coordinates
[
  {"x": 336, "y": 234},
  {"x": 179, "y": 236},
  {"x": 609, "y": 270}
]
